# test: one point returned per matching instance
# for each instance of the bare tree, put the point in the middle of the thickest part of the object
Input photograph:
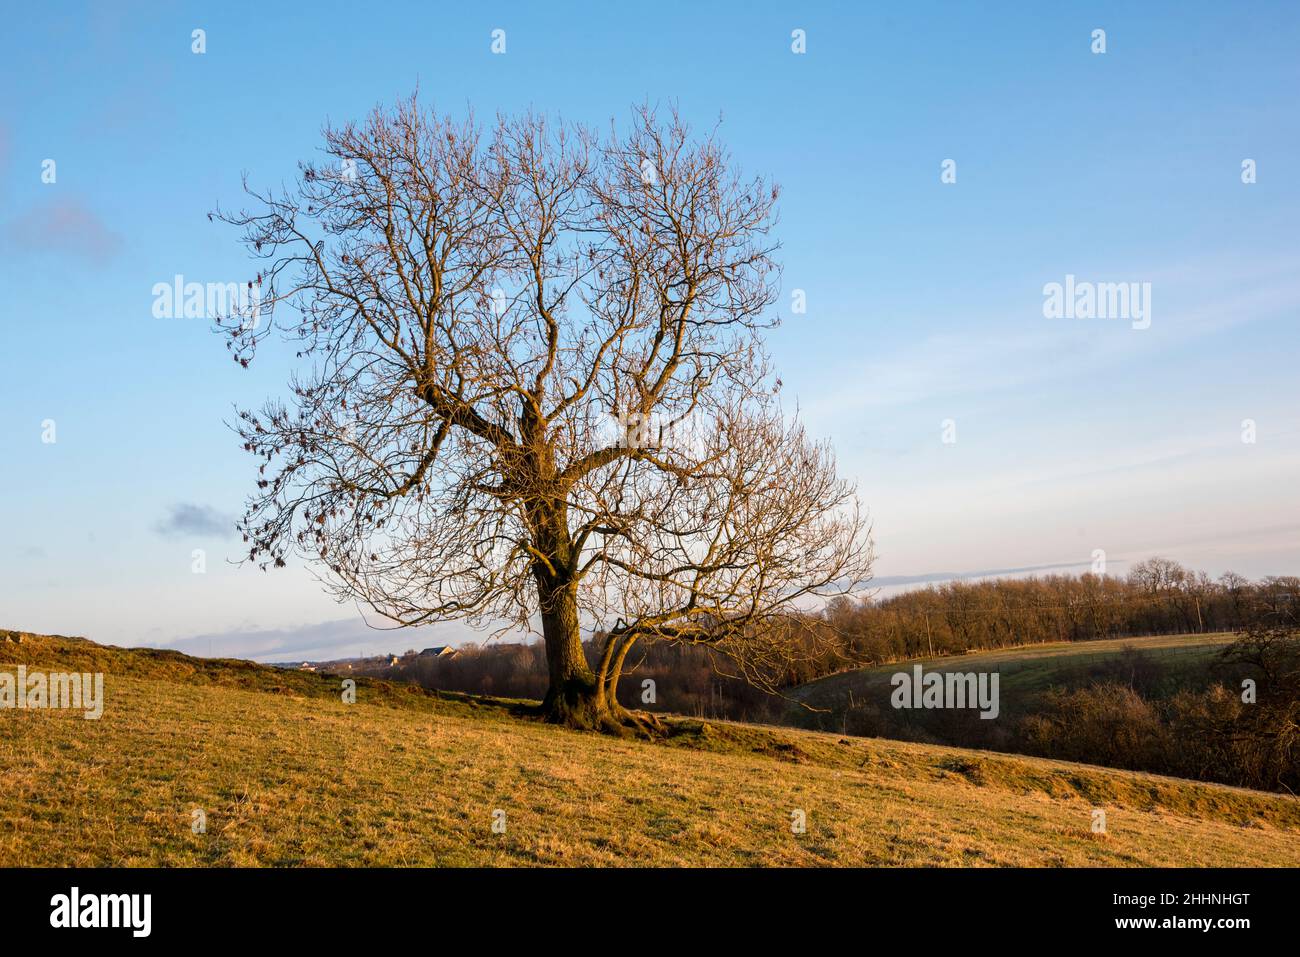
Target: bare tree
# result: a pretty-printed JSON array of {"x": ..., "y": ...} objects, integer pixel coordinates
[{"x": 535, "y": 394}]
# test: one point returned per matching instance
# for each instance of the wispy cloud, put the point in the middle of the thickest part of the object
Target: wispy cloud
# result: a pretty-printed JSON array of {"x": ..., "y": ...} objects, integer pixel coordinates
[
  {"x": 187, "y": 521},
  {"x": 63, "y": 227},
  {"x": 992, "y": 353},
  {"x": 324, "y": 640},
  {"x": 889, "y": 581}
]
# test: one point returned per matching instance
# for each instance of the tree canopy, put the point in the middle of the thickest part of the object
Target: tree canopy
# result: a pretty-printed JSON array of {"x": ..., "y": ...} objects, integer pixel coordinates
[{"x": 534, "y": 392}]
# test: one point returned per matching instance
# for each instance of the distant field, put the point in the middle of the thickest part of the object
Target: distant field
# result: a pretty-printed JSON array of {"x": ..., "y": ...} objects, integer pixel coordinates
[
  {"x": 1024, "y": 668},
  {"x": 288, "y": 774}
]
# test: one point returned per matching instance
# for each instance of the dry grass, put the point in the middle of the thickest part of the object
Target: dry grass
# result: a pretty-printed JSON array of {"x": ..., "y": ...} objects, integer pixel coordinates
[{"x": 290, "y": 775}]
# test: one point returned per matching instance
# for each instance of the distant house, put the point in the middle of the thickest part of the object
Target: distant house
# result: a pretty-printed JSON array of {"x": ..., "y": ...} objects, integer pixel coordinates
[
  {"x": 440, "y": 651},
  {"x": 394, "y": 661},
  {"x": 307, "y": 666}
]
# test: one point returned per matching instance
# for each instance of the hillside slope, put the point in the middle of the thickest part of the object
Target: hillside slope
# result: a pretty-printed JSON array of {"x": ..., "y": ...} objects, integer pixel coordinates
[
  {"x": 1023, "y": 668},
  {"x": 288, "y": 774}
]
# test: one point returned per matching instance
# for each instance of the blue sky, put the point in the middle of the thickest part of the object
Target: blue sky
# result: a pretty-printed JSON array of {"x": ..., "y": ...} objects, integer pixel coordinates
[{"x": 925, "y": 299}]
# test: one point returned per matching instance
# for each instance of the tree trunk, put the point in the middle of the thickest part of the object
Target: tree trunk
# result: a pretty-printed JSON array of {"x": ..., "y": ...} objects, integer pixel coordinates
[{"x": 573, "y": 697}]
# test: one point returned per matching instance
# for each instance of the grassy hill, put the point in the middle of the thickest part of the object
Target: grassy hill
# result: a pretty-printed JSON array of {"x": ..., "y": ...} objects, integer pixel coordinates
[
  {"x": 288, "y": 774},
  {"x": 1024, "y": 668}
]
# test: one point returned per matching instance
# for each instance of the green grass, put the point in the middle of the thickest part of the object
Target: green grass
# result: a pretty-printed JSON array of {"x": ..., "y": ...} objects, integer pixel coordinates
[
  {"x": 288, "y": 774},
  {"x": 1024, "y": 669}
]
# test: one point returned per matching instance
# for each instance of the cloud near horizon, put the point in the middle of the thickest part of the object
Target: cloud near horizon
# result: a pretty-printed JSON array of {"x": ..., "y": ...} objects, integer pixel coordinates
[
  {"x": 888, "y": 581},
  {"x": 321, "y": 641}
]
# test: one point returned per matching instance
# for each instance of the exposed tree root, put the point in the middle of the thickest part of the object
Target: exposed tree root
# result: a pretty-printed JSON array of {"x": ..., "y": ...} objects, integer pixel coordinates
[{"x": 583, "y": 712}]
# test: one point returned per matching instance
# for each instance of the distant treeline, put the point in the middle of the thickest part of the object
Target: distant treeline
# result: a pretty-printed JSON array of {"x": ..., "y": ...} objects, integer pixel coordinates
[{"x": 1157, "y": 596}]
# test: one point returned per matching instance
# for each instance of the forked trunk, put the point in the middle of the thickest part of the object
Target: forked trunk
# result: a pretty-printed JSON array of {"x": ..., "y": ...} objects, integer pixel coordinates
[{"x": 574, "y": 697}]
